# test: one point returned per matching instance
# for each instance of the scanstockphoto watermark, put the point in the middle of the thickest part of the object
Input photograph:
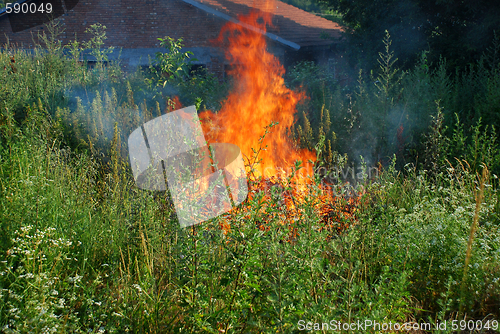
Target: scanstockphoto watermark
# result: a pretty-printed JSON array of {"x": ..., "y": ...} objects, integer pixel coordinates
[
  {"x": 366, "y": 325},
  {"x": 373, "y": 325},
  {"x": 352, "y": 173},
  {"x": 362, "y": 326},
  {"x": 331, "y": 175}
]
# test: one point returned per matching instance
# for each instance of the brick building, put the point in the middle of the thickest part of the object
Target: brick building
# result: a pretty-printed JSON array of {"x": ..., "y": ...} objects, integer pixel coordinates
[{"x": 135, "y": 26}]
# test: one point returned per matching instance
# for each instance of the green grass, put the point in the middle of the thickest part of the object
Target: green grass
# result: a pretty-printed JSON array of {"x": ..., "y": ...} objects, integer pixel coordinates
[{"x": 84, "y": 250}]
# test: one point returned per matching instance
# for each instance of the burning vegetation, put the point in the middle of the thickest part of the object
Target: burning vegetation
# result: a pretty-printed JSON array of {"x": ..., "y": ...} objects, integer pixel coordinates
[
  {"x": 83, "y": 243},
  {"x": 258, "y": 116},
  {"x": 259, "y": 100}
]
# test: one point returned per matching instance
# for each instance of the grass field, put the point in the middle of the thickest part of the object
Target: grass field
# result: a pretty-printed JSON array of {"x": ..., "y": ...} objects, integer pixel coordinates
[{"x": 83, "y": 250}]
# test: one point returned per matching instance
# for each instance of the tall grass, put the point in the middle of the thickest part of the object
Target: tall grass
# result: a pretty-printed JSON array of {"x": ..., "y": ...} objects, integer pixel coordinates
[
  {"x": 84, "y": 250},
  {"x": 390, "y": 112},
  {"x": 87, "y": 251}
]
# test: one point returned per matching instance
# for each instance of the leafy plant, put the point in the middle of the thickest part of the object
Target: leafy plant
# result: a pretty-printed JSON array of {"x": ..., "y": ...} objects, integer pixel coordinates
[
  {"x": 95, "y": 43},
  {"x": 173, "y": 65}
]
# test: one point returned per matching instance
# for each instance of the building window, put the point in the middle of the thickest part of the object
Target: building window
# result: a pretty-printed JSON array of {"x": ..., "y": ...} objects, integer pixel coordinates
[
  {"x": 93, "y": 63},
  {"x": 197, "y": 69}
]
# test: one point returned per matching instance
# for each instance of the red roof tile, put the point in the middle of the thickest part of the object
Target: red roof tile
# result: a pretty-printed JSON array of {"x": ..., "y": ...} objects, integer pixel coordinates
[{"x": 290, "y": 23}]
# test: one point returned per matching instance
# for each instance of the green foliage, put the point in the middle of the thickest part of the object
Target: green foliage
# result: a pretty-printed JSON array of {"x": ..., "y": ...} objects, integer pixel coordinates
[
  {"x": 460, "y": 31},
  {"x": 363, "y": 114},
  {"x": 96, "y": 42},
  {"x": 203, "y": 88},
  {"x": 84, "y": 250},
  {"x": 39, "y": 294},
  {"x": 427, "y": 222},
  {"x": 51, "y": 41},
  {"x": 316, "y": 108},
  {"x": 394, "y": 112},
  {"x": 88, "y": 251},
  {"x": 436, "y": 144},
  {"x": 388, "y": 79},
  {"x": 173, "y": 65},
  {"x": 46, "y": 74}
]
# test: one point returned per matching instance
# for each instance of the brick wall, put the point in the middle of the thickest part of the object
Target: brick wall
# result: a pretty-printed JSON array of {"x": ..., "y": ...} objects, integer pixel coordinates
[{"x": 130, "y": 24}]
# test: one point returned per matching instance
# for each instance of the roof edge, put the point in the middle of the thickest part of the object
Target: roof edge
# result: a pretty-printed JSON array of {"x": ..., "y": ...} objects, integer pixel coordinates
[{"x": 245, "y": 25}]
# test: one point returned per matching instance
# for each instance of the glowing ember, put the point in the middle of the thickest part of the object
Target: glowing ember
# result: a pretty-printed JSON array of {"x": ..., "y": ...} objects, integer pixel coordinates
[{"x": 259, "y": 98}]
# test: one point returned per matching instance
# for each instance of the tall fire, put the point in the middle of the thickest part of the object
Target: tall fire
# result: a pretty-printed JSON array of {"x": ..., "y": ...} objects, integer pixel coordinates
[{"x": 260, "y": 98}]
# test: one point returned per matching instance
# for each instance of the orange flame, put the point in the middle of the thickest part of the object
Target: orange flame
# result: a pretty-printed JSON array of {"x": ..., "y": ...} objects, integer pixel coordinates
[{"x": 260, "y": 97}]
